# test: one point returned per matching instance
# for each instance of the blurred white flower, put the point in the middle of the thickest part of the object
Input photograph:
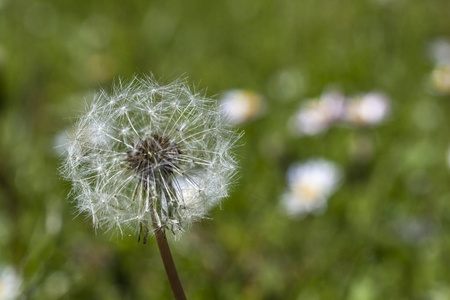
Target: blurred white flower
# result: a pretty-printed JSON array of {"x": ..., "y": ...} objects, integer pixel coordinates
[
  {"x": 440, "y": 79},
  {"x": 317, "y": 115},
  {"x": 367, "y": 109},
  {"x": 310, "y": 185},
  {"x": 241, "y": 106},
  {"x": 10, "y": 283},
  {"x": 147, "y": 152}
]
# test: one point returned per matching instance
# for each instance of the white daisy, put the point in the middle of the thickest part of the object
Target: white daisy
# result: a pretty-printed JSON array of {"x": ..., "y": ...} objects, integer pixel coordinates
[
  {"x": 367, "y": 109},
  {"x": 241, "y": 106},
  {"x": 315, "y": 116},
  {"x": 310, "y": 185}
]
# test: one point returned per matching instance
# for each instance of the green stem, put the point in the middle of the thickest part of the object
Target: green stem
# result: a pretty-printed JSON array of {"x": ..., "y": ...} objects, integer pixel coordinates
[{"x": 167, "y": 259}]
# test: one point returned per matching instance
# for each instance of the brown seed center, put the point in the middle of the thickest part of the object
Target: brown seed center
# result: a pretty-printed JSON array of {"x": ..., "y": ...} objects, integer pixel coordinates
[{"x": 153, "y": 157}]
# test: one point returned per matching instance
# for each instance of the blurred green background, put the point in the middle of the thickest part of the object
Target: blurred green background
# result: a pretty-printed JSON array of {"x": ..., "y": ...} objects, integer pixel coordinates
[{"x": 385, "y": 232}]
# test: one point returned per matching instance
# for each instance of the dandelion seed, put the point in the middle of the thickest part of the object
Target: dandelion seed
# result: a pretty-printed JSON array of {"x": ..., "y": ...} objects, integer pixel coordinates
[
  {"x": 310, "y": 185},
  {"x": 143, "y": 150}
]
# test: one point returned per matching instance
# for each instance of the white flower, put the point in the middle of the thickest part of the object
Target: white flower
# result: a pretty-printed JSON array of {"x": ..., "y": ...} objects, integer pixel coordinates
[
  {"x": 10, "y": 283},
  {"x": 317, "y": 115},
  {"x": 241, "y": 106},
  {"x": 440, "y": 79},
  {"x": 150, "y": 149},
  {"x": 368, "y": 109},
  {"x": 310, "y": 185}
]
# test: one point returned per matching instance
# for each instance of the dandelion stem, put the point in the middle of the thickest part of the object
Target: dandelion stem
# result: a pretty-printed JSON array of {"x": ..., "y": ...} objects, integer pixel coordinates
[{"x": 167, "y": 259}]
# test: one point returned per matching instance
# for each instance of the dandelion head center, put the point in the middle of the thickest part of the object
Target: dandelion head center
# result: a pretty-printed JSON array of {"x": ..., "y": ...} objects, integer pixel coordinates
[{"x": 154, "y": 157}]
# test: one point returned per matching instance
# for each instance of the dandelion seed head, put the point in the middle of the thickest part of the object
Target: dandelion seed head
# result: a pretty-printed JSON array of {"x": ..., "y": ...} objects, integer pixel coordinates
[{"x": 149, "y": 147}]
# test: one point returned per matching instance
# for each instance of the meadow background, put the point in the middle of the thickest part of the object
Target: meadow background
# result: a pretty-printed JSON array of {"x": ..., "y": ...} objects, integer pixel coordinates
[{"x": 385, "y": 232}]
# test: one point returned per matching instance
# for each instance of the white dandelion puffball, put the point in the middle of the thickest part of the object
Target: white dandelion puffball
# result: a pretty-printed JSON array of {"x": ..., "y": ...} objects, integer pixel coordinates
[
  {"x": 10, "y": 284},
  {"x": 317, "y": 115},
  {"x": 310, "y": 185},
  {"x": 368, "y": 109},
  {"x": 241, "y": 106},
  {"x": 150, "y": 152}
]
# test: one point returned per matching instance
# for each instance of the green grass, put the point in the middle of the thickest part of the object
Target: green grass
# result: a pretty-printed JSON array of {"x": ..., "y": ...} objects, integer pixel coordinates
[{"x": 55, "y": 53}]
